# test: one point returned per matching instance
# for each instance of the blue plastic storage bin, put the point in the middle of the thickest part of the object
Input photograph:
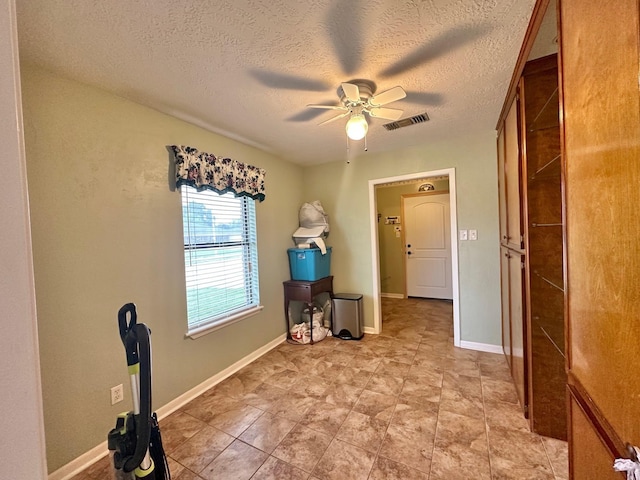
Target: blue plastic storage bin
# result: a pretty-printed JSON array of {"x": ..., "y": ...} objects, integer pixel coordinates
[{"x": 309, "y": 264}]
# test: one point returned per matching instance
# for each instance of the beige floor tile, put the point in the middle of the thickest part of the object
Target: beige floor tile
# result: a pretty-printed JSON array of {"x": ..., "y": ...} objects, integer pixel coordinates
[
  {"x": 506, "y": 415},
  {"x": 284, "y": 379},
  {"x": 469, "y": 387},
  {"x": 292, "y": 406},
  {"x": 415, "y": 389},
  {"x": 267, "y": 432},
  {"x": 342, "y": 395},
  {"x": 422, "y": 417},
  {"x": 363, "y": 431},
  {"x": 499, "y": 390},
  {"x": 236, "y": 419},
  {"x": 385, "y": 469},
  {"x": 206, "y": 407},
  {"x": 177, "y": 428},
  {"x": 385, "y": 384},
  {"x": 456, "y": 401},
  {"x": 343, "y": 461},
  {"x": 516, "y": 451},
  {"x": 186, "y": 474},
  {"x": 392, "y": 368},
  {"x": 274, "y": 469},
  {"x": 558, "y": 453},
  {"x": 311, "y": 386},
  {"x": 455, "y": 461},
  {"x": 325, "y": 418},
  {"x": 409, "y": 446},
  {"x": 357, "y": 377},
  {"x": 200, "y": 450},
  {"x": 238, "y": 462},
  {"x": 366, "y": 362},
  {"x": 376, "y": 405},
  {"x": 302, "y": 448},
  {"x": 461, "y": 430}
]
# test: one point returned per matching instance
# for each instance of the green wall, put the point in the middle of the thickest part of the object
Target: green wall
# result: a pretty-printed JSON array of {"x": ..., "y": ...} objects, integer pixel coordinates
[
  {"x": 343, "y": 189},
  {"x": 107, "y": 229}
]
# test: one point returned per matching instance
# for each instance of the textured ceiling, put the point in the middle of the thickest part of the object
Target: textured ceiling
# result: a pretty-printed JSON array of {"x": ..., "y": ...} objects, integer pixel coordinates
[{"x": 248, "y": 68}]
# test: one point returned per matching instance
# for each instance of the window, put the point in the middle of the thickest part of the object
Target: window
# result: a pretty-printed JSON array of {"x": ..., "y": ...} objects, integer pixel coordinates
[{"x": 220, "y": 259}]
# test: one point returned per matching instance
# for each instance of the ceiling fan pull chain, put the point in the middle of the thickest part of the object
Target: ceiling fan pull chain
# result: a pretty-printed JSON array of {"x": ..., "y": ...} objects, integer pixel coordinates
[{"x": 348, "y": 156}]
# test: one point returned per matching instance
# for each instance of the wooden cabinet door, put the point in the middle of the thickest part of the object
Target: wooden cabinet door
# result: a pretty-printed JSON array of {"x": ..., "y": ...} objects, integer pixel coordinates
[
  {"x": 601, "y": 147},
  {"x": 512, "y": 168},
  {"x": 502, "y": 187},
  {"x": 518, "y": 334},
  {"x": 506, "y": 317}
]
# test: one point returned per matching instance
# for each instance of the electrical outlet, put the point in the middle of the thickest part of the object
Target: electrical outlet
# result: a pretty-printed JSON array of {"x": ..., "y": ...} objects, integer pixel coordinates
[
  {"x": 473, "y": 234},
  {"x": 117, "y": 394}
]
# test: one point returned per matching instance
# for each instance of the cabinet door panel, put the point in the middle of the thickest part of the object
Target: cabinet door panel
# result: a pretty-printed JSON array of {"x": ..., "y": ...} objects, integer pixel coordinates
[
  {"x": 516, "y": 309},
  {"x": 506, "y": 322},
  {"x": 512, "y": 176},
  {"x": 502, "y": 187}
]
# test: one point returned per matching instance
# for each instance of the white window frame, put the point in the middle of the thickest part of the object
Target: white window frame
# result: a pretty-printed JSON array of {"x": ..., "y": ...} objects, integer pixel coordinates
[{"x": 201, "y": 276}]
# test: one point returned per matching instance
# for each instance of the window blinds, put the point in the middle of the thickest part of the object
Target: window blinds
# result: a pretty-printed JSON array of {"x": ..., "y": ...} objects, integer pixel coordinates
[{"x": 220, "y": 255}]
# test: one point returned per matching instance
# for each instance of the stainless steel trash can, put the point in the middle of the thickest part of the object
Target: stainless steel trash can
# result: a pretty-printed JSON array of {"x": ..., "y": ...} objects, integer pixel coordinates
[{"x": 348, "y": 321}]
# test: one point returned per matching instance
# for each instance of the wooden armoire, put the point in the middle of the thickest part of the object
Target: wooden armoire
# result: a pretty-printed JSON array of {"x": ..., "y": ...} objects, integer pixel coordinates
[{"x": 599, "y": 134}]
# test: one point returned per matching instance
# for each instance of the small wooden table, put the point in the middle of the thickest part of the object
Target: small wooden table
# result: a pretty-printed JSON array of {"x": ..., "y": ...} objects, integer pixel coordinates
[{"x": 305, "y": 291}]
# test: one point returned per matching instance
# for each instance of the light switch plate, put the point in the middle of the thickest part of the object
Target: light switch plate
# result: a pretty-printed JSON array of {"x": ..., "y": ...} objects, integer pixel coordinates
[
  {"x": 473, "y": 234},
  {"x": 463, "y": 235}
]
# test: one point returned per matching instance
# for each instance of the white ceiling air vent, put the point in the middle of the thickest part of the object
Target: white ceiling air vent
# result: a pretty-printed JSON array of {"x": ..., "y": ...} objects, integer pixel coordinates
[{"x": 405, "y": 122}]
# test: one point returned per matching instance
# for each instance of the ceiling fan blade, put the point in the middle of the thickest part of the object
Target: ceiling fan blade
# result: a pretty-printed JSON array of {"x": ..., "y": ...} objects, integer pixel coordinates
[
  {"x": 304, "y": 116},
  {"x": 351, "y": 91},
  {"x": 346, "y": 31},
  {"x": 439, "y": 46},
  {"x": 386, "y": 113},
  {"x": 334, "y": 118},
  {"x": 391, "y": 95},
  {"x": 328, "y": 107},
  {"x": 424, "y": 98},
  {"x": 288, "y": 82}
]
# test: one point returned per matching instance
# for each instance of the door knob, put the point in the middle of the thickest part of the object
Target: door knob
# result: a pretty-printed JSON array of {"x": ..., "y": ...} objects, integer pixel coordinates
[
  {"x": 409, "y": 246},
  {"x": 409, "y": 253}
]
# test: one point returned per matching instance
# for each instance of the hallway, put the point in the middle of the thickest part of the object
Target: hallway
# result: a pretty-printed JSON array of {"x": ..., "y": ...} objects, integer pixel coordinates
[{"x": 402, "y": 405}]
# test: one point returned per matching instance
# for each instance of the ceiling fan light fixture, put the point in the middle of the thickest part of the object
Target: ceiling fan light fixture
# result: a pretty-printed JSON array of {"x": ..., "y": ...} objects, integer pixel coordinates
[{"x": 357, "y": 127}]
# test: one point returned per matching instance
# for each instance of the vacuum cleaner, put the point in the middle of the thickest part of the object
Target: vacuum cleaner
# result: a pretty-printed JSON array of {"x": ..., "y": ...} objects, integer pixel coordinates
[{"x": 135, "y": 444}]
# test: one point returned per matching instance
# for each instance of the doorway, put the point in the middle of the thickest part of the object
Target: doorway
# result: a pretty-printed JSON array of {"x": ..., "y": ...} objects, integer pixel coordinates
[{"x": 374, "y": 219}]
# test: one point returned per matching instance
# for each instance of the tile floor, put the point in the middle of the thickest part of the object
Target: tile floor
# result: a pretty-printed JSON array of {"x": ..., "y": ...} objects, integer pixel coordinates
[{"x": 402, "y": 405}]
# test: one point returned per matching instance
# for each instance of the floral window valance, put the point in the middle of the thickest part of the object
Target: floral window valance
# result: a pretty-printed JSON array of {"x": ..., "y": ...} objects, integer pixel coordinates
[{"x": 203, "y": 171}]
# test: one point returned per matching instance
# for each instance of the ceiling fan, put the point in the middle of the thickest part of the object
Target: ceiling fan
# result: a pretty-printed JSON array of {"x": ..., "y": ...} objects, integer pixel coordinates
[{"x": 357, "y": 98}]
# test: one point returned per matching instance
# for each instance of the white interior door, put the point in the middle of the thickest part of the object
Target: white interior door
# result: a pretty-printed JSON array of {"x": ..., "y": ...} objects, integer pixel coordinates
[{"x": 427, "y": 225}]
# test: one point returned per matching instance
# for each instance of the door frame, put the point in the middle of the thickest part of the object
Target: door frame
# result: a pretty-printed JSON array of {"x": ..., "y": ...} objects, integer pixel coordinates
[{"x": 375, "y": 253}]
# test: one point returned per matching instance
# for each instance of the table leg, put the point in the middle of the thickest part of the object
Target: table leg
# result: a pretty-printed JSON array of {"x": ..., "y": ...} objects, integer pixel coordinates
[
  {"x": 310, "y": 307},
  {"x": 286, "y": 317}
]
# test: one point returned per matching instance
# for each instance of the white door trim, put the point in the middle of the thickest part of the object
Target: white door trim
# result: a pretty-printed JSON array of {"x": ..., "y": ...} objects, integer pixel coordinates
[{"x": 375, "y": 259}]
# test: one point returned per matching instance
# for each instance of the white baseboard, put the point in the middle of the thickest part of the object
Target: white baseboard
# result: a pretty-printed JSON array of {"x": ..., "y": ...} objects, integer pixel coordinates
[
  {"x": 482, "y": 347},
  {"x": 392, "y": 295},
  {"x": 370, "y": 330},
  {"x": 89, "y": 458}
]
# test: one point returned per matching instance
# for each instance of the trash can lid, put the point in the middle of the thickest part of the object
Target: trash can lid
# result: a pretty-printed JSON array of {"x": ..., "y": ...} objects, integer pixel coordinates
[{"x": 348, "y": 296}]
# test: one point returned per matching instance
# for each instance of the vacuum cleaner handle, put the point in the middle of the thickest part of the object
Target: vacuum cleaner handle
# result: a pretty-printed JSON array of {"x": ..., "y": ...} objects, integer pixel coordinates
[{"x": 128, "y": 332}]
